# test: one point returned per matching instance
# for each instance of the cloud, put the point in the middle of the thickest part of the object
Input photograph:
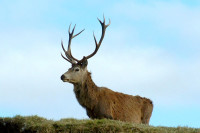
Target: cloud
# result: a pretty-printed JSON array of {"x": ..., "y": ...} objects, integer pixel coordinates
[
  {"x": 151, "y": 73},
  {"x": 172, "y": 21}
]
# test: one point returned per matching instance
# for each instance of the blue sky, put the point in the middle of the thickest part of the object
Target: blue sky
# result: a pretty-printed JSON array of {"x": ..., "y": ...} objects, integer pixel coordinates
[{"x": 150, "y": 49}]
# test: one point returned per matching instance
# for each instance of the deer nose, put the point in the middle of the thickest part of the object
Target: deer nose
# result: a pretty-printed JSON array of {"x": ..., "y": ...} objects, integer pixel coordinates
[{"x": 62, "y": 77}]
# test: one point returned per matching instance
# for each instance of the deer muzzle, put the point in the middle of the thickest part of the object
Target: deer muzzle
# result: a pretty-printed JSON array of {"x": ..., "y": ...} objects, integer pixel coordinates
[{"x": 64, "y": 79}]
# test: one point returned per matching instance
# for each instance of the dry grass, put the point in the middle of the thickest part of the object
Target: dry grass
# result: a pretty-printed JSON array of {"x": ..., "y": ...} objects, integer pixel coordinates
[{"x": 35, "y": 124}]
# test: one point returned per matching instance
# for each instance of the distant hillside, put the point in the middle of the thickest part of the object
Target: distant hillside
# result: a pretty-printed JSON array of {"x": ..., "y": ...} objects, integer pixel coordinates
[{"x": 35, "y": 124}]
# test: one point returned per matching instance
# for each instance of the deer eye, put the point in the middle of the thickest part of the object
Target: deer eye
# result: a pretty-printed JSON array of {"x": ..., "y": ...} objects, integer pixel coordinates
[{"x": 76, "y": 69}]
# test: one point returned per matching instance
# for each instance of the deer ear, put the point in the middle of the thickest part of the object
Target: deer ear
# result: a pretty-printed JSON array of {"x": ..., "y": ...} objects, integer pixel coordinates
[{"x": 84, "y": 62}]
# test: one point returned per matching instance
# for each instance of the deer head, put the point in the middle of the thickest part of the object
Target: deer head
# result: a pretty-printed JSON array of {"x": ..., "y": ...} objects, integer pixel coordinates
[{"x": 78, "y": 72}]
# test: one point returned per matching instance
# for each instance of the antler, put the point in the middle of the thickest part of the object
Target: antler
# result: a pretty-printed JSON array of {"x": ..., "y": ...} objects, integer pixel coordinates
[
  {"x": 68, "y": 53},
  {"x": 104, "y": 26}
]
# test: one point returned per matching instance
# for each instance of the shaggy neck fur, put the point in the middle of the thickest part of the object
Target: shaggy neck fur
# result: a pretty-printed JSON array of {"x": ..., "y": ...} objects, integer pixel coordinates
[{"x": 86, "y": 92}]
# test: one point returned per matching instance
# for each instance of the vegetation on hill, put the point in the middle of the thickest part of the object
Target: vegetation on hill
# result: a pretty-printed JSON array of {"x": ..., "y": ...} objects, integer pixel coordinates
[{"x": 35, "y": 124}]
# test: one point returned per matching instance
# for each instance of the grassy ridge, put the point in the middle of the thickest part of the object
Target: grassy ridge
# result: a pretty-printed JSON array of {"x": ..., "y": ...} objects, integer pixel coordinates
[{"x": 35, "y": 124}]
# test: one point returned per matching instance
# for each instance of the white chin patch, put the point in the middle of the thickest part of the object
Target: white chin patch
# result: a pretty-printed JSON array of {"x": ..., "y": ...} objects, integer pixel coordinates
[{"x": 67, "y": 80}]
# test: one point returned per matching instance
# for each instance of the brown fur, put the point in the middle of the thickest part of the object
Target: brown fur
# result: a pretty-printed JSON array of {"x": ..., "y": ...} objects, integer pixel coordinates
[{"x": 101, "y": 102}]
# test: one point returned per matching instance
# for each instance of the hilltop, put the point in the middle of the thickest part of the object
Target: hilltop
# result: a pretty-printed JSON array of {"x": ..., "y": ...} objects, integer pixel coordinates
[{"x": 33, "y": 124}]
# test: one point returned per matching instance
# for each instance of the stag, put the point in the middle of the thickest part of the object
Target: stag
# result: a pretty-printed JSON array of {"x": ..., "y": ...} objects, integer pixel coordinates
[{"x": 101, "y": 102}]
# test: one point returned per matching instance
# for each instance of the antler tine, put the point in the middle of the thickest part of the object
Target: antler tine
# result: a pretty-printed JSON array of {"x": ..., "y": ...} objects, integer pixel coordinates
[
  {"x": 67, "y": 59},
  {"x": 73, "y": 29},
  {"x": 63, "y": 46},
  {"x": 66, "y": 53},
  {"x": 104, "y": 26},
  {"x": 71, "y": 36},
  {"x": 108, "y": 23},
  {"x": 69, "y": 28},
  {"x": 78, "y": 33},
  {"x": 95, "y": 40}
]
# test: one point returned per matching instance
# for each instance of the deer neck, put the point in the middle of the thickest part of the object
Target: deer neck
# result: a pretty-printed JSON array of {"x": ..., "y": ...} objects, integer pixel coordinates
[{"x": 86, "y": 92}]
